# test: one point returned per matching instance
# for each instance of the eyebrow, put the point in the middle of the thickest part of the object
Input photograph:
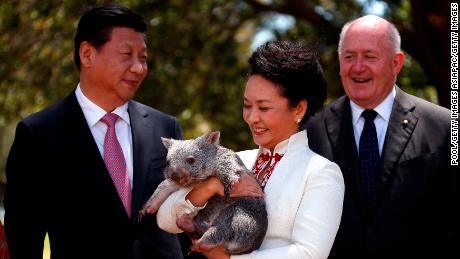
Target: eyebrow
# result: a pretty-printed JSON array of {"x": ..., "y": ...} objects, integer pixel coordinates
[
  {"x": 352, "y": 51},
  {"x": 131, "y": 45},
  {"x": 260, "y": 101}
]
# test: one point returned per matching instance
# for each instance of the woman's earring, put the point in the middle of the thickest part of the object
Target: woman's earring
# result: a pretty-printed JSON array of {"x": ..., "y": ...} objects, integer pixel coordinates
[{"x": 298, "y": 120}]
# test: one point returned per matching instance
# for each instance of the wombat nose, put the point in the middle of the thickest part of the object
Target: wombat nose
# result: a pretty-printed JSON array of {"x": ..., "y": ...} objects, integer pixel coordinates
[{"x": 179, "y": 176}]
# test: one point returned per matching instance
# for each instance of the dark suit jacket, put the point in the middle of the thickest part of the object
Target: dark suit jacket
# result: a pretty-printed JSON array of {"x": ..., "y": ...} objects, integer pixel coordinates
[
  {"x": 57, "y": 182},
  {"x": 415, "y": 210}
]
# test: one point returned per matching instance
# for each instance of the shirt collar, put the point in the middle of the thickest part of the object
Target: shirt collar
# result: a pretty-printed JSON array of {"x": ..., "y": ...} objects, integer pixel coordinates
[
  {"x": 280, "y": 148},
  {"x": 94, "y": 113},
  {"x": 383, "y": 109}
]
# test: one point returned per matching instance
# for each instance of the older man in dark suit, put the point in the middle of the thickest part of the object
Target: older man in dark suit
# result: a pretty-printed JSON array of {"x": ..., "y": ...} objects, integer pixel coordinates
[
  {"x": 393, "y": 148},
  {"x": 81, "y": 169}
]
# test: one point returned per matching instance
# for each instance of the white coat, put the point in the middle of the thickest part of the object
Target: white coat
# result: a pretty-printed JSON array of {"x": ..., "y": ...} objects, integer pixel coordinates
[{"x": 304, "y": 197}]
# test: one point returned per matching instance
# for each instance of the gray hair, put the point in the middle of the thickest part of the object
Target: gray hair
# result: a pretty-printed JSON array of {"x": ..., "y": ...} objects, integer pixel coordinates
[{"x": 393, "y": 34}]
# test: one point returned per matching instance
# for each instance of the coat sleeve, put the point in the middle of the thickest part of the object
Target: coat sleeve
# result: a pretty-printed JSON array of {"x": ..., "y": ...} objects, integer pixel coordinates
[
  {"x": 172, "y": 208},
  {"x": 177, "y": 130},
  {"x": 25, "y": 195},
  {"x": 317, "y": 219}
]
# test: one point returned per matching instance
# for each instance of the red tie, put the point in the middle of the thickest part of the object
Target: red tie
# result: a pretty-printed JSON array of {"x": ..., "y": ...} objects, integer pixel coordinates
[{"x": 115, "y": 162}]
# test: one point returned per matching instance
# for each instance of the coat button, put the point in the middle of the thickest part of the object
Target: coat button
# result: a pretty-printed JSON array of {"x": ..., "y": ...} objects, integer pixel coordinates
[{"x": 370, "y": 230}]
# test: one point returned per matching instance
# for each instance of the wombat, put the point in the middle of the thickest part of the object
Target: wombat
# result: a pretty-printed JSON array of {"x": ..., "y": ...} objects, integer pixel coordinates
[{"x": 238, "y": 224}]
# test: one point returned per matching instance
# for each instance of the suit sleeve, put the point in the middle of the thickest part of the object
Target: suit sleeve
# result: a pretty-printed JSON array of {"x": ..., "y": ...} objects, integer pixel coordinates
[
  {"x": 317, "y": 219},
  {"x": 177, "y": 130},
  {"x": 25, "y": 209}
]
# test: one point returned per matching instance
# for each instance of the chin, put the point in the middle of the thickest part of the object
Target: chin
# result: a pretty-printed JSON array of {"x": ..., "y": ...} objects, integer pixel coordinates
[
  {"x": 261, "y": 143},
  {"x": 257, "y": 140}
]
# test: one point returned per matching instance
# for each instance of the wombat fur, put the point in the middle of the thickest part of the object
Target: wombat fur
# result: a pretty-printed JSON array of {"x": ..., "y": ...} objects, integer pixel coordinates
[{"x": 238, "y": 224}]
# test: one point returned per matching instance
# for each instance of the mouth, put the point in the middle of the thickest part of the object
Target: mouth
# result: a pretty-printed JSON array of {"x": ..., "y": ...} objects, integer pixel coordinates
[
  {"x": 257, "y": 131},
  {"x": 183, "y": 181},
  {"x": 132, "y": 83},
  {"x": 359, "y": 80}
]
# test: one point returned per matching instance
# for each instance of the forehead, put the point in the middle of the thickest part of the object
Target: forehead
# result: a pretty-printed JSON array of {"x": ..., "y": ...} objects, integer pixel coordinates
[
  {"x": 259, "y": 88},
  {"x": 365, "y": 37},
  {"x": 124, "y": 36},
  {"x": 180, "y": 147}
]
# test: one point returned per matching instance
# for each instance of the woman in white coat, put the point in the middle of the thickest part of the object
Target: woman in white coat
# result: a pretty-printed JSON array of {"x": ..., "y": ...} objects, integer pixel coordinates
[{"x": 303, "y": 190}]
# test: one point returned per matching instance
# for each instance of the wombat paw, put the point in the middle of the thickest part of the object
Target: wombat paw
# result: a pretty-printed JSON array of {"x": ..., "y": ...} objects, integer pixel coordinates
[{"x": 185, "y": 222}]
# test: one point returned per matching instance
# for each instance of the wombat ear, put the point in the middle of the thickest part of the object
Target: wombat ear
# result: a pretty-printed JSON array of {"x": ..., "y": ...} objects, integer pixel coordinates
[
  {"x": 213, "y": 137},
  {"x": 166, "y": 142}
]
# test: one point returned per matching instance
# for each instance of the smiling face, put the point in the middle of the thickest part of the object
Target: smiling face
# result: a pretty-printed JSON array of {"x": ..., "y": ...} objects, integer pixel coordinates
[
  {"x": 368, "y": 63},
  {"x": 111, "y": 75},
  {"x": 268, "y": 114}
]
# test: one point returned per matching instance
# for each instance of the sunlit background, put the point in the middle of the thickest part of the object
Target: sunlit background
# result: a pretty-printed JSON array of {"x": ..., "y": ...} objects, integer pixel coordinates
[{"x": 198, "y": 53}]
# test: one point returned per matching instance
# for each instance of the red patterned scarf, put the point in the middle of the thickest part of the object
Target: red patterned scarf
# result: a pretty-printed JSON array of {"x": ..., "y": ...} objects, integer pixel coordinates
[{"x": 263, "y": 168}]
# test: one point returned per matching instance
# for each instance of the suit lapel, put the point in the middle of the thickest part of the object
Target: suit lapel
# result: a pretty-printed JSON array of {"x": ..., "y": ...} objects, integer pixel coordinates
[
  {"x": 79, "y": 136},
  {"x": 141, "y": 129},
  {"x": 340, "y": 131},
  {"x": 400, "y": 127}
]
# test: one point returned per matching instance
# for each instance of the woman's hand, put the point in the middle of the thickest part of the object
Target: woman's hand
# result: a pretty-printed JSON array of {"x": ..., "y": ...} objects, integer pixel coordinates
[
  {"x": 202, "y": 192},
  {"x": 217, "y": 252},
  {"x": 247, "y": 186}
]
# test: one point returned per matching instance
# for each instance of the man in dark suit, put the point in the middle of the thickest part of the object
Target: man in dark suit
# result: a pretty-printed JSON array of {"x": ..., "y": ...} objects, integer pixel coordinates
[
  {"x": 400, "y": 191},
  {"x": 77, "y": 176}
]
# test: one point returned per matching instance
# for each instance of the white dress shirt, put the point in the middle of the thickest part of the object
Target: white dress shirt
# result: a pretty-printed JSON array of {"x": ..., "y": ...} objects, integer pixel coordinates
[
  {"x": 93, "y": 114},
  {"x": 381, "y": 120}
]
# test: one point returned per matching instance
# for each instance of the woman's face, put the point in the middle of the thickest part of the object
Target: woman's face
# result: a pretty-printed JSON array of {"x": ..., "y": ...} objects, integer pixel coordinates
[{"x": 268, "y": 114}]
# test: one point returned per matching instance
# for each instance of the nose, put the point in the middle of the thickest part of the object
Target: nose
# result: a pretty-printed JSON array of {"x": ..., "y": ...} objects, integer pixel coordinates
[
  {"x": 179, "y": 176},
  {"x": 138, "y": 67},
  {"x": 252, "y": 115},
  {"x": 358, "y": 65}
]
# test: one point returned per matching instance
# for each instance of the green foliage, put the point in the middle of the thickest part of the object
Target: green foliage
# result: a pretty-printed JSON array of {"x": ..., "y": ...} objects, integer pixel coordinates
[
  {"x": 198, "y": 53},
  {"x": 195, "y": 72}
]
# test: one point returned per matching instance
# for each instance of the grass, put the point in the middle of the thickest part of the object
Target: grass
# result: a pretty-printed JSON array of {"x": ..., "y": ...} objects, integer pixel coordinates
[{"x": 46, "y": 248}]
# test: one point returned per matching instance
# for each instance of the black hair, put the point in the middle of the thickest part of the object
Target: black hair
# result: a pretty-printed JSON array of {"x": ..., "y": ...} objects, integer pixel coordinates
[
  {"x": 95, "y": 26},
  {"x": 293, "y": 68}
]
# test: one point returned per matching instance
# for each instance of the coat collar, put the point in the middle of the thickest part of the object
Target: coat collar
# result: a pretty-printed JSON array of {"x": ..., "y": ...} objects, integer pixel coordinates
[
  {"x": 80, "y": 135},
  {"x": 340, "y": 130},
  {"x": 402, "y": 123},
  {"x": 338, "y": 121},
  {"x": 140, "y": 128},
  {"x": 295, "y": 141}
]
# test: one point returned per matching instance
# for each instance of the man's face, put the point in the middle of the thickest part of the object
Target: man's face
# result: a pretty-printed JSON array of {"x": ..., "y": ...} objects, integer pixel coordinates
[
  {"x": 368, "y": 64},
  {"x": 119, "y": 66}
]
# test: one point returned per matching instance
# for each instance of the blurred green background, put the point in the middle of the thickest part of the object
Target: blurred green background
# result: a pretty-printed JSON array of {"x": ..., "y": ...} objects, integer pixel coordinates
[{"x": 198, "y": 53}]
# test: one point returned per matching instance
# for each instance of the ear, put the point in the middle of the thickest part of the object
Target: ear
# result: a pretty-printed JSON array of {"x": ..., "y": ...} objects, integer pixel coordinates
[
  {"x": 301, "y": 109},
  {"x": 212, "y": 138},
  {"x": 167, "y": 142},
  {"x": 87, "y": 52},
  {"x": 398, "y": 62}
]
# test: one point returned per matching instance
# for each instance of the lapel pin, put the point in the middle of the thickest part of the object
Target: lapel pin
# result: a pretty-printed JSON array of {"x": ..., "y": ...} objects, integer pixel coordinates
[{"x": 405, "y": 122}]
